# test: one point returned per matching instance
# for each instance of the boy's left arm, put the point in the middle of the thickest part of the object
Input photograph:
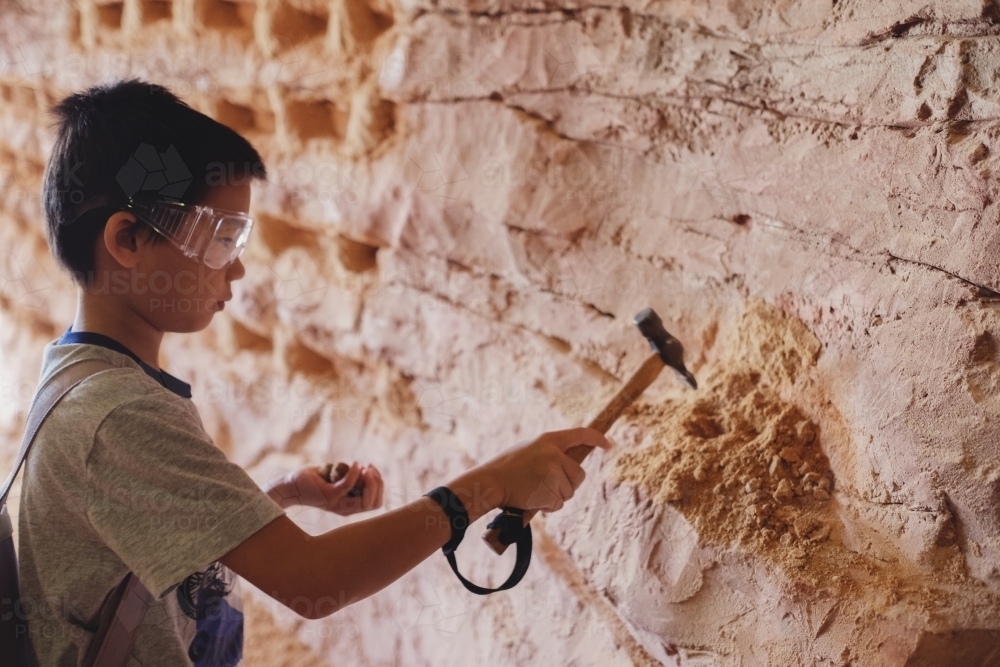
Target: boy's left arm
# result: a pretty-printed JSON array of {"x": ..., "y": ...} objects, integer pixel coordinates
[{"x": 307, "y": 486}]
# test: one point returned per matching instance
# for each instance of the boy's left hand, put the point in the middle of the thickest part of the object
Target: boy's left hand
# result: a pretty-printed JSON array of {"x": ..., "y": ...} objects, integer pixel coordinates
[{"x": 307, "y": 486}]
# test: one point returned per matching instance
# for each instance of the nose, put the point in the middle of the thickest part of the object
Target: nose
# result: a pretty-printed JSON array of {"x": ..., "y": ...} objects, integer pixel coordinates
[{"x": 236, "y": 270}]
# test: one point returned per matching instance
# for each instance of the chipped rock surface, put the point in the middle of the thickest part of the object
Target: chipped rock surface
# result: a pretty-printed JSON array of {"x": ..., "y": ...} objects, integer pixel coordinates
[{"x": 468, "y": 202}]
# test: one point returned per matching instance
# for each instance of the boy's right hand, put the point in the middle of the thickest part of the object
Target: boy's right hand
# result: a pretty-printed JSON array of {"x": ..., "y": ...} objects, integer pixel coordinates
[{"x": 539, "y": 475}]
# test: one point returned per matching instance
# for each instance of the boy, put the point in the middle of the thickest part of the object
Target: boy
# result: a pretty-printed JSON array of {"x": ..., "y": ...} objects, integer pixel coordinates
[{"x": 123, "y": 477}]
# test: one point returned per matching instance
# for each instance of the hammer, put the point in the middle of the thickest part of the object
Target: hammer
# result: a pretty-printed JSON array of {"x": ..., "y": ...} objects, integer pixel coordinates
[{"x": 667, "y": 351}]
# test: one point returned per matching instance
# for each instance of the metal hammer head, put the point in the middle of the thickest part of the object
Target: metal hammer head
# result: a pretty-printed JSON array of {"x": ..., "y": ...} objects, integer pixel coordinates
[{"x": 660, "y": 340}]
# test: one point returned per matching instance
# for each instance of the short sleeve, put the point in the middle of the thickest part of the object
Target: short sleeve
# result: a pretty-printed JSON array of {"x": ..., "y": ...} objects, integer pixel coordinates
[{"x": 164, "y": 497}]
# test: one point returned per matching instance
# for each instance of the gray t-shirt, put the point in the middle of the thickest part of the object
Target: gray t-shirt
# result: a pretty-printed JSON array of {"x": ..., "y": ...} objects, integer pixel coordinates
[{"x": 122, "y": 476}]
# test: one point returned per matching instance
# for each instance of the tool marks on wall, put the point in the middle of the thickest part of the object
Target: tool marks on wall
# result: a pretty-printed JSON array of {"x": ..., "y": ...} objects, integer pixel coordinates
[{"x": 281, "y": 42}]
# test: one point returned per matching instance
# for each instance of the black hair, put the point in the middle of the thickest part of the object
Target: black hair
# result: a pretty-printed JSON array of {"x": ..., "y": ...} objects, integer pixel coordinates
[{"x": 129, "y": 137}]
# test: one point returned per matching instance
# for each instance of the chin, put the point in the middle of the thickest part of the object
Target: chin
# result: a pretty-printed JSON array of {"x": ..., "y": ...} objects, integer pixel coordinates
[
  {"x": 203, "y": 322},
  {"x": 179, "y": 314},
  {"x": 191, "y": 325}
]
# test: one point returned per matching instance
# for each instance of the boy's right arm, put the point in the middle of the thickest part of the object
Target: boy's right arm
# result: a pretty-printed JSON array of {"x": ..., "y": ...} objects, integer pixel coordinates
[{"x": 316, "y": 576}]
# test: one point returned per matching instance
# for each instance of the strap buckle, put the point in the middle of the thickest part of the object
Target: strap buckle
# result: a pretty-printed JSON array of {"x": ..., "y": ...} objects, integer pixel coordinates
[{"x": 510, "y": 523}]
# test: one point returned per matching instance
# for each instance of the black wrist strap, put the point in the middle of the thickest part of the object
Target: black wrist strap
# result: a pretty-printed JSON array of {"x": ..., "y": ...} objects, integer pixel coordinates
[{"x": 512, "y": 531}]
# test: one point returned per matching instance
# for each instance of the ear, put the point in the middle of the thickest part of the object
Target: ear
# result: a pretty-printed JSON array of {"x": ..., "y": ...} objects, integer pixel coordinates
[{"x": 121, "y": 240}]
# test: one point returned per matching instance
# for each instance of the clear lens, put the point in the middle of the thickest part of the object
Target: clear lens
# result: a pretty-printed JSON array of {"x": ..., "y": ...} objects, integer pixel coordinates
[
  {"x": 227, "y": 241},
  {"x": 215, "y": 238}
]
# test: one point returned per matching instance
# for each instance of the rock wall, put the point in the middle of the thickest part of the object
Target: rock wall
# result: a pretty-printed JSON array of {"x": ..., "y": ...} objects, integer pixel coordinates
[{"x": 469, "y": 202}]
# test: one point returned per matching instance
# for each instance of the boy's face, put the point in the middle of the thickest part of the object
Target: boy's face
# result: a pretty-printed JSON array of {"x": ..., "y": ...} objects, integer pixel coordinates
[{"x": 174, "y": 292}]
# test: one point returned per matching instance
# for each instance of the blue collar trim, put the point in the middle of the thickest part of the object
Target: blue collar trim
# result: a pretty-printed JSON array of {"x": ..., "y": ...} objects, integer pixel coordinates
[{"x": 70, "y": 337}]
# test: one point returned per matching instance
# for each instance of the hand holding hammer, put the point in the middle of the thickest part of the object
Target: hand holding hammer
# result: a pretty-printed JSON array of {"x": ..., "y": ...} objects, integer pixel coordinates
[{"x": 667, "y": 351}]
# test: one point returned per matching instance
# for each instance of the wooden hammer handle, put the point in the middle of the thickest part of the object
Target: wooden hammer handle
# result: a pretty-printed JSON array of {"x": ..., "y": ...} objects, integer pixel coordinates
[{"x": 637, "y": 384}]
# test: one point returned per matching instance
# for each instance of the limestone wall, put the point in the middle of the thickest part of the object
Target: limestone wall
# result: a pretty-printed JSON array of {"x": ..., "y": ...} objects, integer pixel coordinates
[{"x": 469, "y": 202}]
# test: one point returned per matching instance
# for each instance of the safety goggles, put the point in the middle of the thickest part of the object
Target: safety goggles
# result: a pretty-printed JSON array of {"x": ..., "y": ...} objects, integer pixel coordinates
[{"x": 212, "y": 236}]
